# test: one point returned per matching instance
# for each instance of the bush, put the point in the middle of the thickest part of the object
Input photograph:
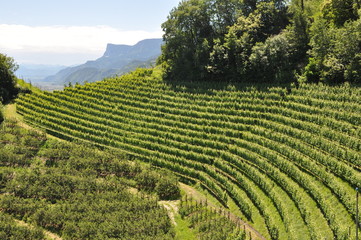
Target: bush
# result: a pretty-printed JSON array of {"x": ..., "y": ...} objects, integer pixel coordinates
[
  {"x": 10, "y": 230},
  {"x": 167, "y": 189},
  {"x": 147, "y": 181}
]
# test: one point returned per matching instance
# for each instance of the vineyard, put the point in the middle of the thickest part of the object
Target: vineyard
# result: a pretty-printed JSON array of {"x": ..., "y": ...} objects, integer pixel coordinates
[
  {"x": 284, "y": 159},
  {"x": 53, "y": 189}
]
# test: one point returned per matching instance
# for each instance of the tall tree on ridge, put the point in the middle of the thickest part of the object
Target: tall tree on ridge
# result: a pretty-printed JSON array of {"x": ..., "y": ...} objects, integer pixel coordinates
[{"x": 8, "y": 89}]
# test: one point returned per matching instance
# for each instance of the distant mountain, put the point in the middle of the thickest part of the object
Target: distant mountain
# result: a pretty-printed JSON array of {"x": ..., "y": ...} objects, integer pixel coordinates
[
  {"x": 36, "y": 72},
  {"x": 117, "y": 60}
]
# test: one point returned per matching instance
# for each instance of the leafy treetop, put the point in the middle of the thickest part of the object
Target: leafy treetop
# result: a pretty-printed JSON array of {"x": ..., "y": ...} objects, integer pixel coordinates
[{"x": 262, "y": 40}]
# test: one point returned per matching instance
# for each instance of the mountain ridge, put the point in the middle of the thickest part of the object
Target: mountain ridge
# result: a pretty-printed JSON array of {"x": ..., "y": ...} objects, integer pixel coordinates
[{"x": 116, "y": 60}]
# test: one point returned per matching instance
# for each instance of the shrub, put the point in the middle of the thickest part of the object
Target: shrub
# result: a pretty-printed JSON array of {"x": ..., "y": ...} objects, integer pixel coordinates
[{"x": 167, "y": 189}]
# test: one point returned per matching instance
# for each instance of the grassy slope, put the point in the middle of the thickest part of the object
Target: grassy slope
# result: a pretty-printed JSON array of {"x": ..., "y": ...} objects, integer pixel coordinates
[{"x": 296, "y": 151}]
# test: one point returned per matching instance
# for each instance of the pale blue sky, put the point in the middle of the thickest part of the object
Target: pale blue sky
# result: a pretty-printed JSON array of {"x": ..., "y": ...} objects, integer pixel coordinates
[
  {"x": 121, "y": 14},
  {"x": 73, "y": 31}
]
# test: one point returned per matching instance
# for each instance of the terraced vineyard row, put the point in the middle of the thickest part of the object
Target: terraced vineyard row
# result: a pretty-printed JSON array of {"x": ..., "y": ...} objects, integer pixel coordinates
[{"x": 289, "y": 158}]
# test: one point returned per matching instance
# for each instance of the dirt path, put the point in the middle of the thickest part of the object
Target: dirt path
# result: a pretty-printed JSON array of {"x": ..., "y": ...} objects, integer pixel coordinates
[
  {"x": 250, "y": 231},
  {"x": 170, "y": 206},
  {"x": 172, "y": 209},
  {"x": 48, "y": 235},
  {"x": 10, "y": 113}
]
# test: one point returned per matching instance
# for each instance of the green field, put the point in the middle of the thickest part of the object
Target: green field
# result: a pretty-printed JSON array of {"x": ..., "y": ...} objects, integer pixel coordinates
[{"x": 286, "y": 159}]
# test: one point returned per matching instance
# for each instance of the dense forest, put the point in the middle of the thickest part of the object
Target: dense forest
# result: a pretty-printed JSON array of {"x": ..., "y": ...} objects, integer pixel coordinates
[{"x": 263, "y": 41}]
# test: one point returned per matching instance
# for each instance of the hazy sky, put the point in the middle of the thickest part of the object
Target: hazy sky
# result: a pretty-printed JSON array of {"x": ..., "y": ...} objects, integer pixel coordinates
[{"x": 69, "y": 32}]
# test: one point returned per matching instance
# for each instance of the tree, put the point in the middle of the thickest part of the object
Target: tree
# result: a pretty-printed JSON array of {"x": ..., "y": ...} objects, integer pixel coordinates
[
  {"x": 167, "y": 189},
  {"x": 232, "y": 58},
  {"x": 212, "y": 39},
  {"x": 271, "y": 60},
  {"x": 335, "y": 51},
  {"x": 8, "y": 89},
  {"x": 147, "y": 181},
  {"x": 339, "y": 11},
  {"x": 224, "y": 13},
  {"x": 263, "y": 40},
  {"x": 186, "y": 35}
]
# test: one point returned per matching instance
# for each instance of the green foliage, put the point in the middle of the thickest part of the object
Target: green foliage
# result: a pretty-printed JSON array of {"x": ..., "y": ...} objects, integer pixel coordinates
[
  {"x": 147, "y": 181},
  {"x": 76, "y": 190},
  {"x": 186, "y": 31},
  {"x": 338, "y": 12},
  {"x": 167, "y": 188},
  {"x": 312, "y": 71},
  {"x": 286, "y": 157},
  {"x": 18, "y": 145},
  {"x": 10, "y": 230},
  {"x": 264, "y": 41},
  {"x": 210, "y": 223},
  {"x": 273, "y": 58},
  {"x": 297, "y": 34},
  {"x": 8, "y": 88},
  {"x": 209, "y": 39},
  {"x": 335, "y": 52}
]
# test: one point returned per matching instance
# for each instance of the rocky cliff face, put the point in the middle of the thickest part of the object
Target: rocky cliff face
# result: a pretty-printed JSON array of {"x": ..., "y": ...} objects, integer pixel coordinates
[{"x": 117, "y": 60}]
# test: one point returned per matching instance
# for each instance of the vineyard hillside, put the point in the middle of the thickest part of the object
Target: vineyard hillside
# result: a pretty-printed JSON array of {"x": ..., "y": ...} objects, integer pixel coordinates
[{"x": 285, "y": 159}]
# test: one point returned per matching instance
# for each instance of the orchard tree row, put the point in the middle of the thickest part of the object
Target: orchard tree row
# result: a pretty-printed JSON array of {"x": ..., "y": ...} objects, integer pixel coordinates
[{"x": 287, "y": 157}]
